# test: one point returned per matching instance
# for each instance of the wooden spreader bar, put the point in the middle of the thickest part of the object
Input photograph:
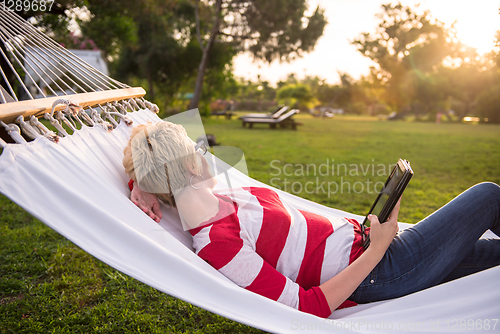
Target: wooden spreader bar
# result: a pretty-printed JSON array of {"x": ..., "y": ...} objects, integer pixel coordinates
[{"x": 37, "y": 107}]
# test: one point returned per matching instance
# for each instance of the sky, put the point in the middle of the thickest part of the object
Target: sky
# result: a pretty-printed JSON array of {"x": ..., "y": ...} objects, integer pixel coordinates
[{"x": 476, "y": 24}]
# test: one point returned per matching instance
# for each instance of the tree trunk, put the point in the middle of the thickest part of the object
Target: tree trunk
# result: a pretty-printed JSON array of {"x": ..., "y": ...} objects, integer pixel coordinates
[
  {"x": 198, "y": 88},
  {"x": 206, "y": 49},
  {"x": 151, "y": 91}
]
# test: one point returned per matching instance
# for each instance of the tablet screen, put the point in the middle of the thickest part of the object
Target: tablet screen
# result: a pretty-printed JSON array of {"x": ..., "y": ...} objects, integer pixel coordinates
[{"x": 389, "y": 187}]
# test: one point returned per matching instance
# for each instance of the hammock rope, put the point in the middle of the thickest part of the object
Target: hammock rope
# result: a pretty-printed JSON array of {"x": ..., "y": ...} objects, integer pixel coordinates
[
  {"x": 14, "y": 132},
  {"x": 19, "y": 31},
  {"x": 51, "y": 70}
]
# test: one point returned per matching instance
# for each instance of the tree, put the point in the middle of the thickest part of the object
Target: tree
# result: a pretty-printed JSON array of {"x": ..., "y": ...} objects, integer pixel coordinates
[
  {"x": 156, "y": 42},
  {"x": 268, "y": 29},
  {"x": 496, "y": 51},
  {"x": 488, "y": 101},
  {"x": 299, "y": 94},
  {"x": 138, "y": 36},
  {"x": 488, "y": 104},
  {"x": 408, "y": 47},
  {"x": 57, "y": 20},
  {"x": 468, "y": 80}
]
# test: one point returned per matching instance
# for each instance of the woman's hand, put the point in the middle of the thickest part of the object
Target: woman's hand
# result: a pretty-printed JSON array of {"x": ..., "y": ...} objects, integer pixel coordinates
[
  {"x": 146, "y": 202},
  {"x": 340, "y": 287},
  {"x": 381, "y": 235}
]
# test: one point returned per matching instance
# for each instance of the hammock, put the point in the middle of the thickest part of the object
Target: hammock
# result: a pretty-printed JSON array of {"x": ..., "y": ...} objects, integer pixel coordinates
[{"x": 84, "y": 189}]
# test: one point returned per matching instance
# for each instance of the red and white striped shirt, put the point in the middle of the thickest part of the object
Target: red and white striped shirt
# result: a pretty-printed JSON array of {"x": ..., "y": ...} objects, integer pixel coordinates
[{"x": 265, "y": 245}]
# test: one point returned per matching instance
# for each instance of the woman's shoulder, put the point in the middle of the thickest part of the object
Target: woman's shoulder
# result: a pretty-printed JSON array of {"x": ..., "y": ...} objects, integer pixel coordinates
[{"x": 225, "y": 219}]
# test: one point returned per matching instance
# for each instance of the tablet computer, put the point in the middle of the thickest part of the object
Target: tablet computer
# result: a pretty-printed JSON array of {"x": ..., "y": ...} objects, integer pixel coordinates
[{"x": 389, "y": 195}]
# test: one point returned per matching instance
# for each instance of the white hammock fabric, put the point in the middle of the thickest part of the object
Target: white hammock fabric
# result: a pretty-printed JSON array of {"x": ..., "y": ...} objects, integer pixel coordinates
[{"x": 78, "y": 188}]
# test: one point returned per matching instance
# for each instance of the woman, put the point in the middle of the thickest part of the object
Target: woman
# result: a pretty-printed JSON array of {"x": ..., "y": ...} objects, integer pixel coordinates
[{"x": 304, "y": 260}]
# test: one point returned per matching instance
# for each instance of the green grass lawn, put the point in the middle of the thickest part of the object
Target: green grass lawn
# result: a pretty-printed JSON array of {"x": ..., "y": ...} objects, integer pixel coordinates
[{"x": 49, "y": 285}]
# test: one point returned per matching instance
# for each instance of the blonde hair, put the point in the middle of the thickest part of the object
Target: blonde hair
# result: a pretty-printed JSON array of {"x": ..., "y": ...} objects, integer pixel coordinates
[{"x": 157, "y": 158}]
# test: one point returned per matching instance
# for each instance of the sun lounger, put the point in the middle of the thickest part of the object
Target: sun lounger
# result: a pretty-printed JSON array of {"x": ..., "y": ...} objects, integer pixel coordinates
[
  {"x": 284, "y": 121},
  {"x": 226, "y": 112},
  {"x": 275, "y": 114}
]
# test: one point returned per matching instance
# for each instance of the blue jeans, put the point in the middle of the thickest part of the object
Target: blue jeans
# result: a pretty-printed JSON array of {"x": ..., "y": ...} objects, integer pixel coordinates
[{"x": 444, "y": 246}]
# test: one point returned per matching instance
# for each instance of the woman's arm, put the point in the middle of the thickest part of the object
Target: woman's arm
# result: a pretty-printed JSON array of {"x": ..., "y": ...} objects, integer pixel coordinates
[
  {"x": 341, "y": 286},
  {"x": 241, "y": 264},
  {"x": 237, "y": 260}
]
